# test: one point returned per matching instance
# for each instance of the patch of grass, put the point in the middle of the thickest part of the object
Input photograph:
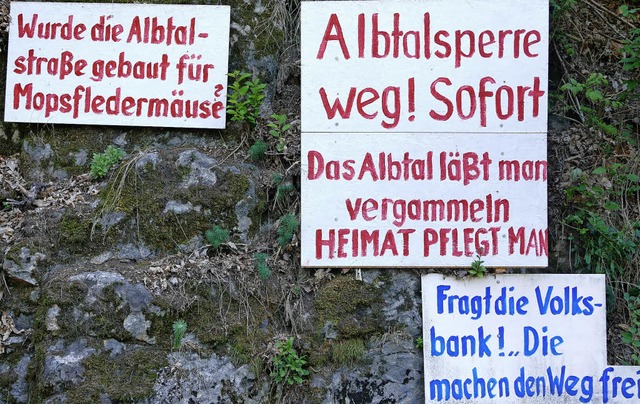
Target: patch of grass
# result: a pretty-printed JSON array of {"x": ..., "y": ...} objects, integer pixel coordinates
[{"x": 347, "y": 352}]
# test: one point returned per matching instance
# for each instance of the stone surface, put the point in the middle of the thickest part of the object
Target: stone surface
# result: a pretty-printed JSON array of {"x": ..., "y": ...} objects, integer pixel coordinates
[
  {"x": 63, "y": 363},
  {"x": 21, "y": 268},
  {"x": 213, "y": 379}
]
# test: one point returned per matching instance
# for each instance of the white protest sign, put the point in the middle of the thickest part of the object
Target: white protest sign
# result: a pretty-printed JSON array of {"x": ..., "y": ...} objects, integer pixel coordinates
[
  {"x": 449, "y": 97},
  {"x": 406, "y": 199},
  {"x": 118, "y": 64},
  {"x": 516, "y": 338},
  {"x": 427, "y": 66}
]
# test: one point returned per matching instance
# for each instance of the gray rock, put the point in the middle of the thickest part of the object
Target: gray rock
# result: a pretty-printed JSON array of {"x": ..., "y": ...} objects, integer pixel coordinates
[
  {"x": 21, "y": 270},
  {"x": 178, "y": 207},
  {"x": 63, "y": 366},
  {"x": 136, "y": 296},
  {"x": 51, "y": 319},
  {"x": 148, "y": 158},
  {"x": 192, "y": 379},
  {"x": 201, "y": 169},
  {"x": 137, "y": 326},
  {"x": 81, "y": 157},
  {"x": 113, "y": 347},
  {"x": 395, "y": 376},
  {"x": 96, "y": 282},
  {"x": 329, "y": 331},
  {"x": 102, "y": 258},
  {"x": 133, "y": 251},
  {"x": 20, "y": 388}
]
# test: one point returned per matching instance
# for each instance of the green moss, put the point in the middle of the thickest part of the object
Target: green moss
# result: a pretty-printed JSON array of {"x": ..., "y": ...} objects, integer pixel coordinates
[
  {"x": 262, "y": 43},
  {"x": 125, "y": 378},
  {"x": 144, "y": 196},
  {"x": 74, "y": 232},
  {"x": 353, "y": 307}
]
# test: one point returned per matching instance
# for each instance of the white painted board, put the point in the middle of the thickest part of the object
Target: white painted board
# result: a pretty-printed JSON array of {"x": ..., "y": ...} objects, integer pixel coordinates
[
  {"x": 424, "y": 66},
  {"x": 410, "y": 200},
  {"x": 118, "y": 64},
  {"x": 514, "y": 338}
]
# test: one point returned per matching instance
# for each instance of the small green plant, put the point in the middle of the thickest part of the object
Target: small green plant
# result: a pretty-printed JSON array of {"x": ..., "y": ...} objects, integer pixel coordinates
[
  {"x": 179, "y": 329},
  {"x": 284, "y": 190},
  {"x": 101, "y": 163},
  {"x": 217, "y": 236},
  {"x": 419, "y": 343},
  {"x": 477, "y": 268},
  {"x": 277, "y": 128},
  {"x": 288, "y": 226},
  {"x": 257, "y": 150},
  {"x": 245, "y": 98},
  {"x": 288, "y": 367},
  {"x": 631, "y": 336},
  {"x": 261, "y": 265}
]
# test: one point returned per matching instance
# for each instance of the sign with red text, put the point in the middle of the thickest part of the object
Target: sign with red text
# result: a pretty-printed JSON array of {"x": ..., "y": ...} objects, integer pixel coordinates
[
  {"x": 520, "y": 338},
  {"x": 424, "y": 133},
  {"x": 118, "y": 64},
  {"x": 419, "y": 200},
  {"x": 427, "y": 66}
]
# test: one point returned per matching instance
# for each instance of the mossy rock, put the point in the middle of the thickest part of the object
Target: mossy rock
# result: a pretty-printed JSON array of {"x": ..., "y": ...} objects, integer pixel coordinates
[
  {"x": 354, "y": 308},
  {"x": 126, "y": 377},
  {"x": 153, "y": 200}
]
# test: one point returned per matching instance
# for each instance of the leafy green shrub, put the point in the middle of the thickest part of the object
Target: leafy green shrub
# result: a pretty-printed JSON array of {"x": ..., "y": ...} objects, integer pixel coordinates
[
  {"x": 288, "y": 367},
  {"x": 631, "y": 336},
  {"x": 101, "y": 163},
  {"x": 631, "y": 47},
  {"x": 261, "y": 265},
  {"x": 179, "y": 329},
  {"x": 257, "y": 150},
  {"x": 596, "y": 99},
  {"x": 599, "y": 246},
  {"x": 288, "y": 226},
  {"x": 217, "y": 236},
  {"x": 245, "y": 98}
]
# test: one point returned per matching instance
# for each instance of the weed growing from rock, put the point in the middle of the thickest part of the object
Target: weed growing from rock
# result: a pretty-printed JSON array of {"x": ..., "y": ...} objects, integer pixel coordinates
[
  {"x": 102, "y": 162},
  {"x": 217, "y": 236},
  {"x": 245, "y": 98},
  {"x": 288, "y": 366},
  {"x": 288, "y": 226},
  {"x": 261, "y": 265},
  {"x": 477, "y": 268},
  {"x": 258, "y": 150},
  {"x": 179, "y": 329},
  {"x": 277, "y": 128}
]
